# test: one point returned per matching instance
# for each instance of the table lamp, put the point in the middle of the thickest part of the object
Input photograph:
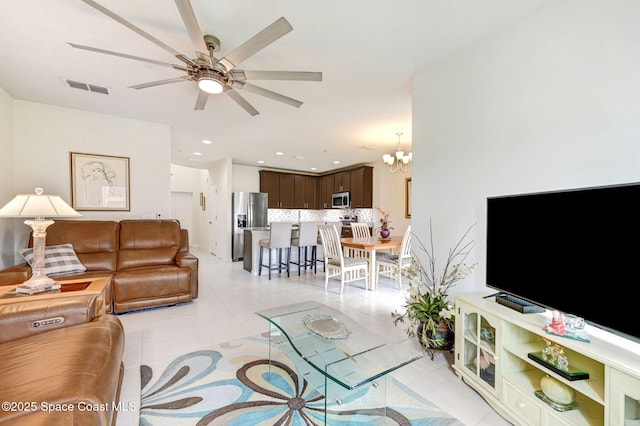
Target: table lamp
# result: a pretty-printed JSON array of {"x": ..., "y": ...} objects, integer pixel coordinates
[{"x": 38, "y": 206}]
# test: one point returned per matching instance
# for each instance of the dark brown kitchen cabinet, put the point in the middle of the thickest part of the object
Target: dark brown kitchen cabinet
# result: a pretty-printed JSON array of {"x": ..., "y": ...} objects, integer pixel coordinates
[
  {"x": 280, "y": 188},
  {"x": 270, "y": 183},
  {"x": 342, "y": 181},
  {"x": 296, "y": 191},
  {"x": 305, "y": 192},
  {"x": 326, "y": 189},
  {"x": 361, "y": 187}
]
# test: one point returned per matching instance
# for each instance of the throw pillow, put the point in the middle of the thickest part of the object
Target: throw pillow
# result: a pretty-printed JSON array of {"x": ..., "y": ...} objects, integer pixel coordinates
[{"x": 58, "y": 260}]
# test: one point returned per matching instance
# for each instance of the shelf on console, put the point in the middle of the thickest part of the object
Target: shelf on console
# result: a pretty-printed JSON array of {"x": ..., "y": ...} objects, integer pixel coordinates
[{"x": 570, "y": 375}]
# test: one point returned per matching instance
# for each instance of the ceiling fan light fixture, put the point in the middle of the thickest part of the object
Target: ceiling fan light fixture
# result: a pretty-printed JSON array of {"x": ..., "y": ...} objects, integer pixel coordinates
[{"x": 209, "y": 82}]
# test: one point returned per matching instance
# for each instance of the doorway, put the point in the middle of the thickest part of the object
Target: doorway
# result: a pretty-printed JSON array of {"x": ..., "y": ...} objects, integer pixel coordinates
[{"x": 182, "y": 209}]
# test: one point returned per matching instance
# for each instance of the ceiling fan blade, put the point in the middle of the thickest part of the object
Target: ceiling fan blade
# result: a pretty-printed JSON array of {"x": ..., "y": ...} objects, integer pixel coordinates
[
  {"x": 160, "y": 82},
  {"x": 258, "y": 42},
  {"x": 124, "y": 55},
  {"x": 202, "y": 100},
  {"x": 272, "y": 95},
  {"x": 276, "y": 75},
  {"x": 139, "y": 31},
  {"x": 233, "y": 94},
  {"x": 193, "y": 28}
]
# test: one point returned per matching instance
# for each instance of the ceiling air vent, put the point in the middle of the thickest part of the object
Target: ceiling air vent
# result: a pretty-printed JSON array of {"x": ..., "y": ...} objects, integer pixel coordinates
[{"x": 86, "y": 86}]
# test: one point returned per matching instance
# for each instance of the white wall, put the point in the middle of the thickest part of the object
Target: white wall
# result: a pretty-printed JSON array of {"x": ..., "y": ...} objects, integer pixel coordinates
[
  {"x": 551, "y": 103},
  {"x": 219, "y": 208},
  {"x": 245, "y": 178},
  {"x": 389, "y": 195},
  {"x": 212, "y": 226},
  {"x": 43, "y": 137},
  {"x": 46, "y": 134},
  {"x": 7, "y": 226},
  {"x": 194, "y": 181}
]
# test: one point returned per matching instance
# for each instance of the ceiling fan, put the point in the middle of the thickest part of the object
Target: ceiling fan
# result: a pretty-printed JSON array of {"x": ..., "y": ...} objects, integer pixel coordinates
[{"x": 214, "y": 75}]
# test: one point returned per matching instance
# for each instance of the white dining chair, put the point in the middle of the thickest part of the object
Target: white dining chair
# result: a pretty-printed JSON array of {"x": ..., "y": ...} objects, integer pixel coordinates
[
  {"x": 279, "y": 239},
  {"x": 307, "y": 240},
  {"x": 337, "y": 264},
  {"x": 338, "y": 226},
  {"x": 360, "y": 230},
  {"x": 393, "y": 265}
]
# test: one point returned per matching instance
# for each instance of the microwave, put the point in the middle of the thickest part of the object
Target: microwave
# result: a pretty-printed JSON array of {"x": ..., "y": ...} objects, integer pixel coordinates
[{"x": 341, "y": 200}]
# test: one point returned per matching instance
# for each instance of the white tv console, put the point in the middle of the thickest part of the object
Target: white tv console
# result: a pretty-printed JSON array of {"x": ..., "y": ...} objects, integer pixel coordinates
[{"x": 484, "y": 328}]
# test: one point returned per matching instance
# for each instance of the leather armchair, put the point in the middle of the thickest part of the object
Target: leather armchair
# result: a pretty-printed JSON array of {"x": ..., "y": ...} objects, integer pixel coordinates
[{"x": 75, "y": 362}]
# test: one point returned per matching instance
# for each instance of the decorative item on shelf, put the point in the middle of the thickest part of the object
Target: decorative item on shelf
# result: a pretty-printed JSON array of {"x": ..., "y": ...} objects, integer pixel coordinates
[
  {"x": 399, "y": 161},
  {"x": 572, "y": 329},
  {"x": 557, "y": 324},
  {"x": 38, "y": 206},
  {"x": 486, "y": 364},
  {"x": 427, "y": 307},
  {"x": 556, "y": 394},
  {"x": 384, "y": 229},
  {"x": 554, "y": 355}
]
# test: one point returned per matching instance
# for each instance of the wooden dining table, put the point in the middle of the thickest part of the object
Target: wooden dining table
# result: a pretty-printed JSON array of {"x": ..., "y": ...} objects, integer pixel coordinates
[{"x": 371, "y": 245}]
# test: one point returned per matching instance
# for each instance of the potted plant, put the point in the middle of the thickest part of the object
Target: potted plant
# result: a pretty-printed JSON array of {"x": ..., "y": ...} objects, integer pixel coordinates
[
  {"x": 384, "y": 229},
  {"x": 428, "y": 312}
]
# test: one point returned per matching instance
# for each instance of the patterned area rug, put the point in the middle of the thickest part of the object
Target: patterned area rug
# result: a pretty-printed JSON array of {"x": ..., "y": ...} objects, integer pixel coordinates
[{"x": 232, "y": 384}]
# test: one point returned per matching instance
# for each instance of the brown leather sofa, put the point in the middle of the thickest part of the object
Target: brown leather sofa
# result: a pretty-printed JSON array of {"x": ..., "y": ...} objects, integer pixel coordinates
[
  {"x": 67, "y": 373},
  {"x": 149, "y": 260}
]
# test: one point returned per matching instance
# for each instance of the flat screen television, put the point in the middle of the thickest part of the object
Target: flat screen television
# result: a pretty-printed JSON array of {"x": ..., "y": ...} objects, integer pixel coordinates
[{"x": 576, "y": 251}]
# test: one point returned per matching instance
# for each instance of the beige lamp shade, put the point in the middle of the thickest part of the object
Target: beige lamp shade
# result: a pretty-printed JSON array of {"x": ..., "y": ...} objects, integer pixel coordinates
[{"x": 37, "y": 205}]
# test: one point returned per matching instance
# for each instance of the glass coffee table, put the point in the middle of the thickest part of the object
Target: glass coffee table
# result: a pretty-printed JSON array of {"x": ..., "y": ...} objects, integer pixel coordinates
[{"x": 338, "y": 357}]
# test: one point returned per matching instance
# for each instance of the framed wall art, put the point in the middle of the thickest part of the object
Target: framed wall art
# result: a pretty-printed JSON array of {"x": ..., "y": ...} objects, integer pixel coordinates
[
  {"x": 407, "y": 198},
  {"x": 99, "y": 182}
]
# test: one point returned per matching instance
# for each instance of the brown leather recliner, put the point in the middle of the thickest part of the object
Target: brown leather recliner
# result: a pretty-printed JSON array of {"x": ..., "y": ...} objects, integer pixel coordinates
[
  {"x": 65, "y": 373},
  {"x": 153, "y": 267}
]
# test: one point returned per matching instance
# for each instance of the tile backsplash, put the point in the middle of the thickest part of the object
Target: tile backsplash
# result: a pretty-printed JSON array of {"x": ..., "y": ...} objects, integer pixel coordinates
[{"x": 327, "y": 215}]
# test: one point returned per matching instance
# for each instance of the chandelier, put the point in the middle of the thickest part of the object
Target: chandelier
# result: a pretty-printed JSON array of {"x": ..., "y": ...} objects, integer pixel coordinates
[{"x": 399, "y": 161}]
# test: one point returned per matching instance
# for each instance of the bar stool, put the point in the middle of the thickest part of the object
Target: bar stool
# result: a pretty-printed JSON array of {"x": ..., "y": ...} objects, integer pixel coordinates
[
  {"x": 307, "y": 239},
  {"x": 279, "y": 239}
]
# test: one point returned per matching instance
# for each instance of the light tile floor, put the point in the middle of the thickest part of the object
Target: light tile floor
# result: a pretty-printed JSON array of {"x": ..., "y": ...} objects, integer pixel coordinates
[{"x": 225, "y": 309}]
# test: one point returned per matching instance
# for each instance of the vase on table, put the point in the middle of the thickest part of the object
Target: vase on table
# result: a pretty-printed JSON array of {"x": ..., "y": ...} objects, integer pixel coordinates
[{"x": 385, "y": 233}]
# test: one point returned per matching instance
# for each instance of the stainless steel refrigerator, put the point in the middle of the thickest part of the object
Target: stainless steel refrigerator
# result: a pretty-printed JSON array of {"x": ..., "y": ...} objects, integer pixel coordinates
[{"x": 249, "y": 210}]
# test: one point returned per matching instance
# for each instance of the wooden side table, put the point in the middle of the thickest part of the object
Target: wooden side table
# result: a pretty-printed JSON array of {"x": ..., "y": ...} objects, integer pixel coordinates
[{"x": 67, "y": 288}]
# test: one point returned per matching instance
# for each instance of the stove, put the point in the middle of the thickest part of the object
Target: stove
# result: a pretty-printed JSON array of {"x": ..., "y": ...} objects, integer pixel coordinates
[{"x": 347, "y": 219}]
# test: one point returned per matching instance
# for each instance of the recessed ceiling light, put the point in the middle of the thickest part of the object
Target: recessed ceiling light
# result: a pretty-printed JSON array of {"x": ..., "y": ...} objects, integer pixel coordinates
[
  {"x": 279, "y": 153},
  {"x": 197, "y": 153},
  {"x": 336, "y": 162},
  {"x": 260, "y": 162},
  {"x": 313, "y": 168},
  {"x": 207, "y": 142},
  {"x": 300, "y": 157}
]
